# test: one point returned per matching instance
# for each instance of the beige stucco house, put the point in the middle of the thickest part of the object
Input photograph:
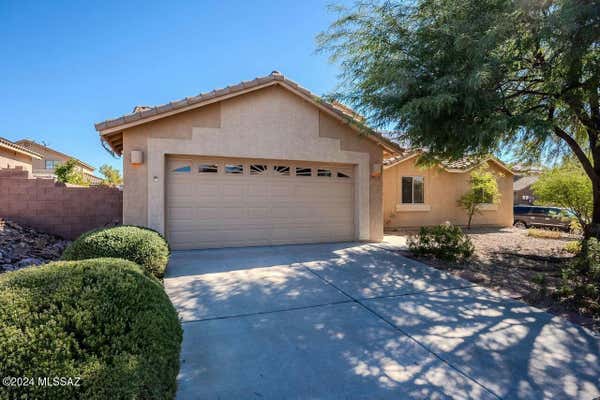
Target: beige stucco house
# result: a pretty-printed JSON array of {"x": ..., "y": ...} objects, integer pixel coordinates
[
  {"x": 44, "y": 167},
  {"x": 262, "y": 162},
  {"x": 266, "y": 162},
  {"x": 415, "y": 196},
  {"x": 13, "y": 155}
]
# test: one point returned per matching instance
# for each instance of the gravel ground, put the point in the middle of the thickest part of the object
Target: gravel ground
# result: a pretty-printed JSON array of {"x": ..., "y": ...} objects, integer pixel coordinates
[
  {"x": 511, "y": 262},
  {"x": 21, "y": 246}
]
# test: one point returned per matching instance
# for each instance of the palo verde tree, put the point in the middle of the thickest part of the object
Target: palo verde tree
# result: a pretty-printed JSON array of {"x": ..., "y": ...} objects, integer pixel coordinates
[
  {"x": 474, "y": 76},
  {"x": 69, "y": 172}
]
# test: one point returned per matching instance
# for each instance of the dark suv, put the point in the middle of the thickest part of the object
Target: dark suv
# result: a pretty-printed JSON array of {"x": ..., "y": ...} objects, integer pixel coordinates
[{"x": 543, "y": 217}]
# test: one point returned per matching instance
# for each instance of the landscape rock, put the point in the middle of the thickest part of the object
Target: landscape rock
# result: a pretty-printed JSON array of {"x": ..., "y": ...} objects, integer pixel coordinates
[{"x": 22, "y": 247}]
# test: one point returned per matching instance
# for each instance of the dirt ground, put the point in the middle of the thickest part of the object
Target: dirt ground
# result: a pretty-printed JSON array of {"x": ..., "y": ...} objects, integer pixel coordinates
[{"x": 512, "y": 263}]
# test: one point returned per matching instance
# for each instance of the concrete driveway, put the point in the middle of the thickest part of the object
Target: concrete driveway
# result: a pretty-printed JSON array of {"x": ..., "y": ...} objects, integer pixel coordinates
[{"x": 357, "y": 321}]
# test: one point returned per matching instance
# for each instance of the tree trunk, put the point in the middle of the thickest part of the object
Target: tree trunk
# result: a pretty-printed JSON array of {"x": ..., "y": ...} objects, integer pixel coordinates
[
  {"x": 593, "y": 229},
  {"x": 470, "y": 218}
]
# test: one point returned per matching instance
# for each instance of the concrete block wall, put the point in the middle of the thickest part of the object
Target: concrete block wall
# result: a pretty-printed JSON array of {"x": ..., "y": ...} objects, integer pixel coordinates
[{"x": 57, "y": 208}]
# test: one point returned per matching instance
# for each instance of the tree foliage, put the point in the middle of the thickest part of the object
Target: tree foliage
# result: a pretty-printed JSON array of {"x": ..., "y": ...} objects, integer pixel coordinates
[
  {"x": 566, "y": 186},
  {"x": 69, "y": 172},
  {"x": 472, "y": 76},
  {"x": 483, "y": 189},
  {"x": 112, "y": 176}
]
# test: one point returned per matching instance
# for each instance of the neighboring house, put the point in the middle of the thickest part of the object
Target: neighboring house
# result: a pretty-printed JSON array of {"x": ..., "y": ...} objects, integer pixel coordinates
[
  {"x": 525, "y": 176},
  {"x": 522, "y": 189},
  {"x": 259, "y": 163},
  {"x": 13, "y": 155},
  {"x": 415, "y": 196},
  {"x": 50, "y": 159}
]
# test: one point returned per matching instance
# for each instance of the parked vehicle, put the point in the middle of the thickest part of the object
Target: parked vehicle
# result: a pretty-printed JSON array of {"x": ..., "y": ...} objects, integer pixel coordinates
[{"x": 541, "y": 217}]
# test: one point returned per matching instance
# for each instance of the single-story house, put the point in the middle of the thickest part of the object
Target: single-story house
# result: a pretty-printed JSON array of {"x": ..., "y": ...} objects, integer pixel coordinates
[
  {"x": 50, "y": 158},
  {"x": 415, "y": 196},
  {"x": 13, "y": 155},
  {"x": 259, "y": 163}
]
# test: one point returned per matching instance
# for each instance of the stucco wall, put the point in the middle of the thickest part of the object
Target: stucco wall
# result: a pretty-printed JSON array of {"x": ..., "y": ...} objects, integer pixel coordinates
[
  {"x": 442, "y": 191},
  {"x": 268, "y": 123},
  {"x": 12, "y": 159}
]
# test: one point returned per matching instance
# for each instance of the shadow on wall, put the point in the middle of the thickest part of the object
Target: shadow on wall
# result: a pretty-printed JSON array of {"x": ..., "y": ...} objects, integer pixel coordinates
[{"x": 323, "y": 338}]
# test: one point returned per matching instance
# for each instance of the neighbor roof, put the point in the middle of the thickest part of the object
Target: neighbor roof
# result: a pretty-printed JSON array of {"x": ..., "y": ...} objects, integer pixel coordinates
[
  {"x": 28, "y": 142},
  {"x": 7, "y": 144},
  {"x": 111, "y": 130},
  {"x": 463, "y": 164},
  {"x": 525, "y": 181}
]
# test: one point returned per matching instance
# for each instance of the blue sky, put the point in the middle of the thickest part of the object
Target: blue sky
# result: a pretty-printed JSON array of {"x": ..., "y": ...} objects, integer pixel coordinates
[{"x": 66, "y": 65}]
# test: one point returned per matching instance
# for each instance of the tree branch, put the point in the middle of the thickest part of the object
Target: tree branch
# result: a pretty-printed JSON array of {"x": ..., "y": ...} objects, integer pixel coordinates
[{"x": 579, "y": 153}]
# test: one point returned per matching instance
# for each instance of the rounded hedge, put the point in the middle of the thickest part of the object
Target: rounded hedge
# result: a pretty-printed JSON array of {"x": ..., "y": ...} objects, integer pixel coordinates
[
  {"x": 140, "y": 245},
  {"x": 103, "y": 321}
]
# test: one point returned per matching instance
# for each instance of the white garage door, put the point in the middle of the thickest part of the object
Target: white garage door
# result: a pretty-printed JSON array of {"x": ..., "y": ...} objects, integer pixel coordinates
[{"x": 219, "y": 202}]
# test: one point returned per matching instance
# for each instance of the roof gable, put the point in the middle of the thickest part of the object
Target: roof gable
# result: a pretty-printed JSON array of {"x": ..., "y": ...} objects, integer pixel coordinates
[
  {"x": 30, "y": 143},
  {"x": 111, "y": 130},
  {"x": 462, "y": 165}
]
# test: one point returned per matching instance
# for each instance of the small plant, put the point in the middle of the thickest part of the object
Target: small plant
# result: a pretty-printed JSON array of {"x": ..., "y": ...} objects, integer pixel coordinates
[
  {"x": 483, "y": 190},
  {"x": 581, "y": 278},
  {"x": 446, "y": 242},
  {"x": 543, "y": 233},
  {"x": 573, "y": 247},
  {"x": 140, "y": 245},
  {"x": 542, "y": 282}
]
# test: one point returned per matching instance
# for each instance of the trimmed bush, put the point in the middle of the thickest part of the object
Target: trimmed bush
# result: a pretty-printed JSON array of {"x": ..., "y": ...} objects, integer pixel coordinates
[
  {"x": 446, "y": 242},
  {"x": 141, "y": 245},
  {"x": 103, "y": 320}
]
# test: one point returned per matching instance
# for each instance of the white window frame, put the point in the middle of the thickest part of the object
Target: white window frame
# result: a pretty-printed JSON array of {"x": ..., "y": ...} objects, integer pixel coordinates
[{"x": 55, "y": 163}]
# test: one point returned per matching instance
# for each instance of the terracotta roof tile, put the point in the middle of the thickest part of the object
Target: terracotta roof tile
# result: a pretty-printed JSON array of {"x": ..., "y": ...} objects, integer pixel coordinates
[
  {"x": 144, "y": 111},
  {"x": 7, "y": 144}
]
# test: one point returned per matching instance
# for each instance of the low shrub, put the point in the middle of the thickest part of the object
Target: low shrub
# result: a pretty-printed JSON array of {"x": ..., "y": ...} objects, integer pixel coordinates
[
  {"x": 573, "y": 247},
  {"x": 103, "y": 321},
  {"x": 543, "y": 233},
  {"x": 581, "y": 278},
  {"x": 446, "y": 242},
  {"x": 140, "y": 245}
]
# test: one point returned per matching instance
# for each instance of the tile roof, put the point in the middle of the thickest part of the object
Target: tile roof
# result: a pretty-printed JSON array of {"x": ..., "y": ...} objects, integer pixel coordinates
[
  {"x": 144, "y": 114},
  {"x": 525, "y": 181},
  {"x": 7, "y": 144},
  {"x": 463, "y": 164}
]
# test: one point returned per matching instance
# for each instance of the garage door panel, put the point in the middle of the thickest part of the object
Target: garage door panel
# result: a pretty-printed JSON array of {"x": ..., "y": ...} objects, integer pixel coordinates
[{"x": 222, "y": 209}]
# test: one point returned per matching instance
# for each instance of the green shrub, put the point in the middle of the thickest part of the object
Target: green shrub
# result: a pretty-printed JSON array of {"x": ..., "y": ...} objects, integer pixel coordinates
[
  {"x": 446, "y": 242},
  {"x": 581, "y": 278},
  {"x": 102, "y": 320},
  {"x": 140, "y": 245},
  {"x": 573, "y": 247}
]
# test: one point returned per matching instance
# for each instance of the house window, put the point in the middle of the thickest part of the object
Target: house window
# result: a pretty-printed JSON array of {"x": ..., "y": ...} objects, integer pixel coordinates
[
  {"x": 184, "y": 169},
  {"x": 51, "y": 164},
  {"x": 303, "y": 171},
  {"x": 258, "y": 169},
  {"x": 281, "y": 170},
  {"x": 234, "y": 169},
  {"x": 208, "y": 168},
  {"x": 413, "y": 190},
  {"x": 324, "y": 172},
  {"x": 486, "y": 198}
]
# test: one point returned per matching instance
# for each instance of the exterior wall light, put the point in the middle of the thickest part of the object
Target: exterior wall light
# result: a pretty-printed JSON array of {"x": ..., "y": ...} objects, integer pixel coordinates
[{"x": 137, "y": 157}]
